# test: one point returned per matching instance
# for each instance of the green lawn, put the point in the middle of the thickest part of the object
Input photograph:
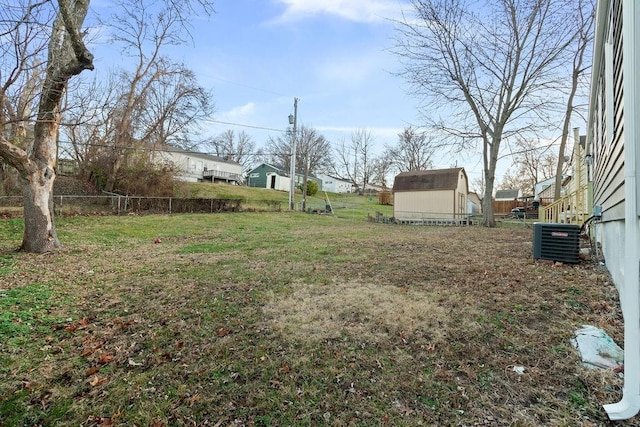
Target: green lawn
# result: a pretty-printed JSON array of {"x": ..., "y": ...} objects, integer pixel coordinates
[{"x": 283, "y": 319}]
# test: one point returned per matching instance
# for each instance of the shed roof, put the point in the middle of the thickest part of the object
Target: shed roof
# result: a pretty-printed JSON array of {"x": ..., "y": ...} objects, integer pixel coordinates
[
  {"x": 205, "y": 156},
  {"x": 507, "y": 194},
  {"x": 438, "y": 179}
]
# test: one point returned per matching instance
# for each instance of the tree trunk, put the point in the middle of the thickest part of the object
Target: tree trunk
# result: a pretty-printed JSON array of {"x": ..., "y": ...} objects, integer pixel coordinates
[
  {"x": 491, "y": 148},
  {"x": 565, "y": 133},
  {"x": 112, "y": 174},
  {"x": 565, "y": 136},
  {"x": 488, "y": 220},
  {"x": 39, "y": 229}
]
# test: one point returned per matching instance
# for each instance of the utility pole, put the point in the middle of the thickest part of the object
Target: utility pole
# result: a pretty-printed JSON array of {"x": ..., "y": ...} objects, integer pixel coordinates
[{"x": 293, "y": 120}]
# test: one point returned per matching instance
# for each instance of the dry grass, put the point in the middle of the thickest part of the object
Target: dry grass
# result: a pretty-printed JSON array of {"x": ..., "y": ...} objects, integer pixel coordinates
[
  {"x": 368, "y": 312},
  {"x": 281, "y": 319}
]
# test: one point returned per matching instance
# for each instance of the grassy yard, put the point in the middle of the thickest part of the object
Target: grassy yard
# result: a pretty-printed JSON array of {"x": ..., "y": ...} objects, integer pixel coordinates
[{"x": 290, "y": 319}]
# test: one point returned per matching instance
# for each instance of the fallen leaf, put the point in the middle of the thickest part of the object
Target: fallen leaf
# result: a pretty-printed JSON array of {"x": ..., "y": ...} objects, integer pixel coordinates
[
  {"x": 106, "y": 358},
  {"x": 96, "y": 381},
  {"x": 223, "y": 332},
  {"x": 88, "y": 351},
  {"x": 91, "y": 371}
]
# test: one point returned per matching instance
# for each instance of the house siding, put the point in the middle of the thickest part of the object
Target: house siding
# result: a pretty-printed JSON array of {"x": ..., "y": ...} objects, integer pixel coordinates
[
  {"x": 334, "y": 185},
  {"x": 192, "y": 166},
  {"x": 258, "y": 177},
  {"x": 608, "y": 139},
  {"x": 268, "y": 176},
  {"x": 423, "y": 204}
]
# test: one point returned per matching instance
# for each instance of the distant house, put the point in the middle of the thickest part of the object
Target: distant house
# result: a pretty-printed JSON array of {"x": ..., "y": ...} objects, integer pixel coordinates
[
  {"x": 200, "y": 167},
  {"x": 541, "y": 189},
  {"x": 507, "y": 195},
  {"x": 574, "y": 205},
  {"x": 612, "y": 159},
  {"x": 374, "y": 189},
  {"x": 334, "y": 184},
  {"x": 275, "y": 178},
  {"x": 474, "y": 203},
  {"x": 546, "y": 193},
  {"x": 432, "y": 196}
]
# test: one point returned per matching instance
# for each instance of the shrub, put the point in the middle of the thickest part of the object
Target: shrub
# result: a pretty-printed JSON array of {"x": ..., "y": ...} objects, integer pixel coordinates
[{"x": 312, "y": 188}]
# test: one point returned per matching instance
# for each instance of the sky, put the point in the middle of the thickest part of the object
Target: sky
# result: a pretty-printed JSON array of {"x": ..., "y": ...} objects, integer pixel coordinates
[{"x": 335, "y": 56}]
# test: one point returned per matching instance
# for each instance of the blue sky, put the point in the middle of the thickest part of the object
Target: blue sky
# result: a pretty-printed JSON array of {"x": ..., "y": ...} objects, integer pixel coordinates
[
  {"x": 261, "y": 54},
  {"x": 334, "y": 55}
]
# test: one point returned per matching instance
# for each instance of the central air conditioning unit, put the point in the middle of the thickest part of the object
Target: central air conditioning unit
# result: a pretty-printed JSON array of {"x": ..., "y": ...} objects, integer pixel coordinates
[{"x": 556, "y": 242}]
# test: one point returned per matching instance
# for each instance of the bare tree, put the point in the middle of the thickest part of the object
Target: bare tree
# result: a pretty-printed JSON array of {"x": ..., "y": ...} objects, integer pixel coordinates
[
  {"x": 237, "y": 147},
  {"x": 486, "y": 71},
  {"x": 314, "y": 150},
  {"x": 382, "y": 169},
  {"x": 583, "y": 21},
  {"x": 344, "y": 161},
  {"x": 532, "y": 163},
  {"x": 67, "y": 56},
  {"x": 173, "y": 107},
  {"x": 477, "y": 184},
  {"x": 22, "y": 55},
  {"x": 413, "y": 151},
  {"x": 355, "y": 160},
  {"x": 145, "y": 112},
  {"x": 106, "y": 133},
  {"x": 313, "y": 153},
  {"x": 87, "y": 112}
]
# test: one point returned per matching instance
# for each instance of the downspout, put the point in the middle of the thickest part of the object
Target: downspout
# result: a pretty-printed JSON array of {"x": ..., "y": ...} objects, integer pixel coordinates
[{"x": 629, "y": 406}]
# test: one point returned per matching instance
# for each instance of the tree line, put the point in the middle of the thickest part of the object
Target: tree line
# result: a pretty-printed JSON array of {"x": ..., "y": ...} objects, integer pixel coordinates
[{"x": 357, "y": 159}]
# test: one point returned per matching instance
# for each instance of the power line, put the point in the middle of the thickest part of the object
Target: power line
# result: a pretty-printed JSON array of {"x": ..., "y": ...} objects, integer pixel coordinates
[
  {"x": 243, "y": 125},
  {"x": 168, "y": 149}
]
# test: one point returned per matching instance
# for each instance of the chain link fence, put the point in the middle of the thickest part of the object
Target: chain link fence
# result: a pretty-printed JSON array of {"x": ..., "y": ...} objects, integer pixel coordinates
[{"x": 125, "y": 205}]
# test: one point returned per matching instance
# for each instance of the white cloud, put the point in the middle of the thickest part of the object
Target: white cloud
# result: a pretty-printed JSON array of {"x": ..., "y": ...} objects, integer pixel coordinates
[
  {"x": 238, "y": 113},
  {"x": 352, "y": 10}
]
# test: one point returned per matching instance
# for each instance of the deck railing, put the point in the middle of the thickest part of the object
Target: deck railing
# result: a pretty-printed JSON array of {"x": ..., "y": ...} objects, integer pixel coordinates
[
  {"x": 216, "y": 174},
  {"x": 574, "y": 208}
]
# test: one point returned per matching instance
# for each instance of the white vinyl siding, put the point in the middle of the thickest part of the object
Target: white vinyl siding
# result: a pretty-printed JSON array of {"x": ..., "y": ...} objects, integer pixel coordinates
[{"x": 608, "y": 124}]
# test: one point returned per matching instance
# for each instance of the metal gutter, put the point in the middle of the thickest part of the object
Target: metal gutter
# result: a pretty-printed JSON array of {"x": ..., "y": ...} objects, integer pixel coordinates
[{"x": 629, "y": 290}]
